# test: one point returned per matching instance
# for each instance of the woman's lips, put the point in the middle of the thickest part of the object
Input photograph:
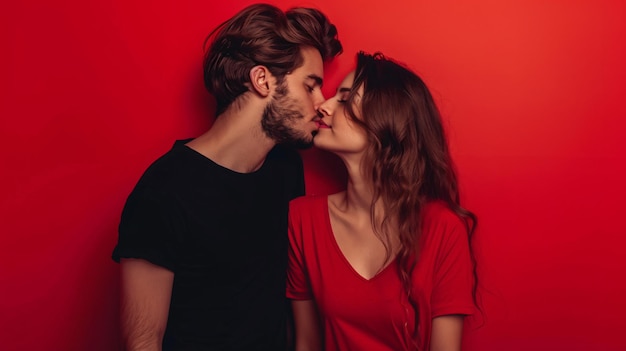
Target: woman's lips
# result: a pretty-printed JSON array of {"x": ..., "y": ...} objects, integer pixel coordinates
[{"x": 321, "y": 124}]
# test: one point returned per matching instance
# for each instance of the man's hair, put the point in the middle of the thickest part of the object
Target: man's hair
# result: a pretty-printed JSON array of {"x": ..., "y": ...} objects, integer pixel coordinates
[{"x": 262, "y": 34}]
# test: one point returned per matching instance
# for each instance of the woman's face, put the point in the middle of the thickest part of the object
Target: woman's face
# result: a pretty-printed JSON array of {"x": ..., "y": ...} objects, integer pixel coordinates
[{"x": 337, "y": 132}]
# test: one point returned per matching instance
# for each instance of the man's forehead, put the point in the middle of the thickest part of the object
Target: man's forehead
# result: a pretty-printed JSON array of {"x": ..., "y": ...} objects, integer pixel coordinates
[{"x": 313, "y": 63}]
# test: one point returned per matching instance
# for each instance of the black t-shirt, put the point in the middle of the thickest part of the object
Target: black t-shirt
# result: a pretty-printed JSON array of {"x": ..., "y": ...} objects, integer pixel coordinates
[{"x": 224, "y": 235}]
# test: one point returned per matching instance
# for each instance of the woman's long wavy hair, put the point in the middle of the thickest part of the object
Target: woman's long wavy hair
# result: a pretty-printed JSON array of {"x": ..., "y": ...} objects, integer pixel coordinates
[{"x": 407, "y": 160}]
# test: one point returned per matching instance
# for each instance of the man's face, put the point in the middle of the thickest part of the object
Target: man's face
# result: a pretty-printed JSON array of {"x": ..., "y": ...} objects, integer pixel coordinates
[{"x": 290, "y": 117}]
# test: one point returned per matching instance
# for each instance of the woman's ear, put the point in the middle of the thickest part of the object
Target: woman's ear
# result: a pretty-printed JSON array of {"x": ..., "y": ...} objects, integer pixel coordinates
[{"x": 261, "y": 80}]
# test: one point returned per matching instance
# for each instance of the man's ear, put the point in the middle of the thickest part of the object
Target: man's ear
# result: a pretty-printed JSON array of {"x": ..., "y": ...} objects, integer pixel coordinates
[{"x": 261, "y": 80}]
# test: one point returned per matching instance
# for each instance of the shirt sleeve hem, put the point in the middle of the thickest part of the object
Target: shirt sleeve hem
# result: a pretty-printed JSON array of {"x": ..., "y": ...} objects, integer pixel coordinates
[
  {"x": 295, "y": 295},
  {"x": 449, "y": 310},
  {"x": 120, "y": 254}
]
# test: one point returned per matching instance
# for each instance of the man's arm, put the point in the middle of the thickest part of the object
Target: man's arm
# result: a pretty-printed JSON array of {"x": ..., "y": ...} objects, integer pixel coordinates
[
  {"x": 146, "y": 290},
  {"x": 308, "y": 335},
  {"x": 447, "y": 332}
]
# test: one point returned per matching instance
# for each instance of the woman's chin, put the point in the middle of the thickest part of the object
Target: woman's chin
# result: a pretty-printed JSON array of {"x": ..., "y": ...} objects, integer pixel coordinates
[{"x": 319, "y": 143}]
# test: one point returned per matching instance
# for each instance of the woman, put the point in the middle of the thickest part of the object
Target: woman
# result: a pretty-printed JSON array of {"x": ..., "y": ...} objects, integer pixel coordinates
[{"x": 385, "y": 264}]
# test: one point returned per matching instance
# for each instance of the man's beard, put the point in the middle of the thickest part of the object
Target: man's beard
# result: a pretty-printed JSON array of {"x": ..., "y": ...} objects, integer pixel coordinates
[{"x": 279, "y": 115}]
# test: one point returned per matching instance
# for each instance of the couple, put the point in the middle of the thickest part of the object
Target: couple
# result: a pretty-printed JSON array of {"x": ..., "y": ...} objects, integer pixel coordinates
[{"x": 209, "y": 241}]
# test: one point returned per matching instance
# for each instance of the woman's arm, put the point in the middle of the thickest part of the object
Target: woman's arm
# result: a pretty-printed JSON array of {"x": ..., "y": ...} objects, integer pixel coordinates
[
  {"x": 307, "y": 326},
  {"x": 446, "y": 333}
]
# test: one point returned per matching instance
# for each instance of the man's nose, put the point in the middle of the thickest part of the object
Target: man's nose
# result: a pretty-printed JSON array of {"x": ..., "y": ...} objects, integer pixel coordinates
[{"x": 318, "y": 100}]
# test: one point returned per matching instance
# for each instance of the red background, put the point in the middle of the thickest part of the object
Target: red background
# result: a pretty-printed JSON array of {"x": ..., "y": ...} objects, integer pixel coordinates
[{"x": 532, "y": 93}]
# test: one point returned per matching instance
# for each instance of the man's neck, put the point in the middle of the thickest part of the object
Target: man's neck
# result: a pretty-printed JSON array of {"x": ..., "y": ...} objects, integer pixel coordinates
[{"x": 236, "y": 140}]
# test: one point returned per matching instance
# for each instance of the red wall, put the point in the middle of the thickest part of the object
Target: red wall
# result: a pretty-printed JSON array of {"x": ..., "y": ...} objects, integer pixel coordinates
[{"x": 532, "y": 92}]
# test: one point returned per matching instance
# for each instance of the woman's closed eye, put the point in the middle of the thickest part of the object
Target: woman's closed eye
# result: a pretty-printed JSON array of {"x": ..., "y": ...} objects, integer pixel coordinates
[{"x": 343, "y": 97}]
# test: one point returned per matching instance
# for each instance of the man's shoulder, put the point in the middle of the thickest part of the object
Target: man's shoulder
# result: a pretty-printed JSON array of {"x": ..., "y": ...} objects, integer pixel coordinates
[{"x": 169, "y": 167}]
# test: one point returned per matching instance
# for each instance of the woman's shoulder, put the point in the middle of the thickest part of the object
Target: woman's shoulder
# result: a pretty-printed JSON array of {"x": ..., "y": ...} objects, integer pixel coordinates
[
  {"x": 438, "y": 213},
  {"x": 315, "y": 199},
  {"x": 308, "y": 206},
  {"x": 442, "y": 228},
  {"x": 306, "y": 200}
]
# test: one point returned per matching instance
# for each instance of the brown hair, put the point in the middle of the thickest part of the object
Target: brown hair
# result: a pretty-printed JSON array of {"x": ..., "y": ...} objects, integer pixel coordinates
[
  {"x": 407, "y": 160},
  {"x": 262, "y": 34}
]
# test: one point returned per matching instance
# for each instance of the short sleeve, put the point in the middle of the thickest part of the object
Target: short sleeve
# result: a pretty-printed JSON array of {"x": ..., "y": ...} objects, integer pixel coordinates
[
  {"x": 453, "y": 274},
  {"x": 149, "y": 228},
  {"x": 298, "y": 287}
]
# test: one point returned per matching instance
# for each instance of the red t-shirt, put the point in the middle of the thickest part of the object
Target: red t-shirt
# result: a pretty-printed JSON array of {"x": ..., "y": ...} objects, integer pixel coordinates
[{"x": 375, "y": 314}]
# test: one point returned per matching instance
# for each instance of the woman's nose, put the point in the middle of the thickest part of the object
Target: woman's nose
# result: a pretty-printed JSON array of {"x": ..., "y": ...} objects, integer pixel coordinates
[{"x": 326, "y": 108}]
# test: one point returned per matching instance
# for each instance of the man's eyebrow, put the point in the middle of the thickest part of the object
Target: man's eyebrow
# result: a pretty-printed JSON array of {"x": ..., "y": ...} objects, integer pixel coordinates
[{"x": 318, "y": 80}]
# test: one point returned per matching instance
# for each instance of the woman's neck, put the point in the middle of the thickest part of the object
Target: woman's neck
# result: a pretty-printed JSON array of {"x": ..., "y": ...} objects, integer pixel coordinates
[
  {"x": 359, "y": 192},
  {"x": 356, "y": 204}
]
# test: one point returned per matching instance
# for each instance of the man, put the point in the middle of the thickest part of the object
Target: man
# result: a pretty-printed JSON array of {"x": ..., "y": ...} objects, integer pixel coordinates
[{"x": 203, "y": 236}]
